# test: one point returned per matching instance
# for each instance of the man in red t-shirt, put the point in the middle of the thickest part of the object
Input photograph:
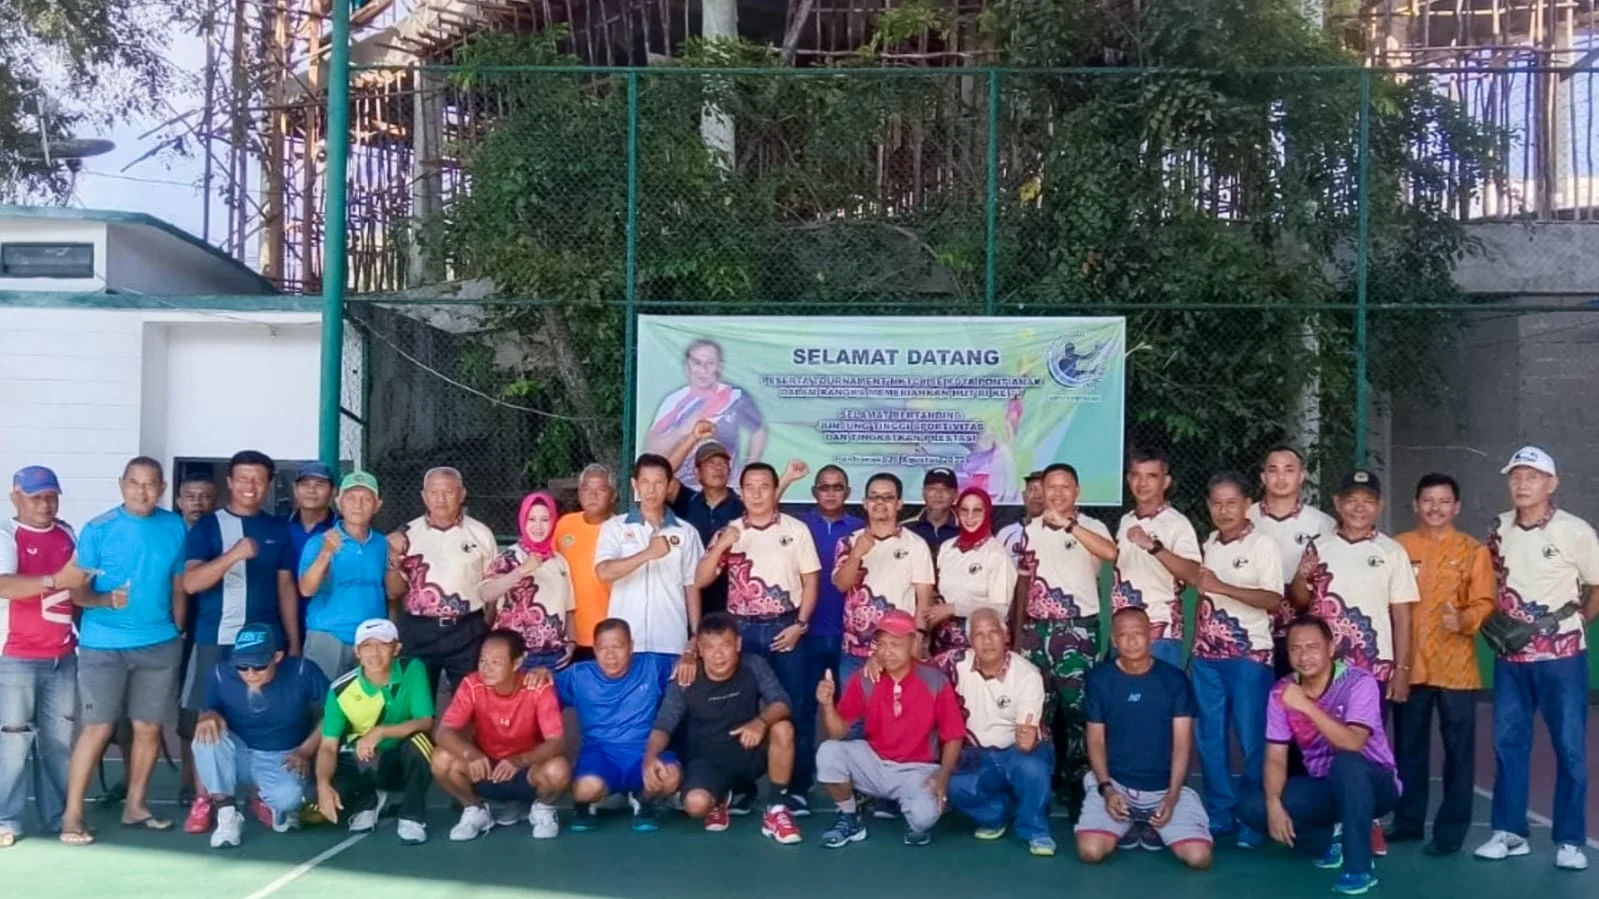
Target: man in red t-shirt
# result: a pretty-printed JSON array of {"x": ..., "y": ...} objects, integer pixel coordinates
[
  {"x": 38, "y": 671},
  {"x": 914, "y": 732},
  {"x": 500, "y": 741}
]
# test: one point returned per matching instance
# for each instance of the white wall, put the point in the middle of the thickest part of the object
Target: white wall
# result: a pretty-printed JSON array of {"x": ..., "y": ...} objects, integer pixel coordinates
[{"x": 83, "y": 390}]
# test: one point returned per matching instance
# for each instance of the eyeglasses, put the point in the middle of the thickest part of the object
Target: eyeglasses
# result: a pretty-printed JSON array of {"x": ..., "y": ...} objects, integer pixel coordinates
[
  {"x": 881, "y": 497},
  {"x": 253, "y": 669}
]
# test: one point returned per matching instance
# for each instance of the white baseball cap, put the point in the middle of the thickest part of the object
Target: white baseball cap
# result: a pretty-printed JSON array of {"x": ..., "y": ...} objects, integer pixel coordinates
[
  {"x": 1531, "y": 457},
  {"x": 379, "y": 629}
]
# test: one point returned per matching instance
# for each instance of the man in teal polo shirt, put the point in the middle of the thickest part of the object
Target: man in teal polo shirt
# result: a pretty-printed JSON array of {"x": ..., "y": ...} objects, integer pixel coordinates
[
  {"x": 129, "y": 647},
  {"x": 343, "y": 570}
]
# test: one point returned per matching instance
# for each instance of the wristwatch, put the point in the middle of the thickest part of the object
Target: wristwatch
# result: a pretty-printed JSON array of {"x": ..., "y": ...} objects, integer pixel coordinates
[
  {"x": 1103, "y": 786},
  {"x": 1155, "y": 545},
  {"x": 803, "y": 624},
  {"x": 49, "y": 581}
]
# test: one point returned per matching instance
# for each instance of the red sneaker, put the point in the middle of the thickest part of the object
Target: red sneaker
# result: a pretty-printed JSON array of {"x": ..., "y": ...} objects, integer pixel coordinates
[
  {"x": 716, "y": 820},
  {"x": 778, "y": 824},
  {"x": 261, "y": 812},
  {"x": 199, "y": 819},
  {"x": 1379, "y": 841}
]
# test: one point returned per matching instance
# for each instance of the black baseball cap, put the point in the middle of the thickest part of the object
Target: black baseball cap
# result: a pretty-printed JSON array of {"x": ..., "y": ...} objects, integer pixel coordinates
[
  {"x": 1361, "y": 479},
  {"x": 944, "y": 476}
]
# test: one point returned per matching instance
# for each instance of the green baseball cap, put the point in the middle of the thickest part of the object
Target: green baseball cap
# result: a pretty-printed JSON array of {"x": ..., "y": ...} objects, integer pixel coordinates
[{"x": 360, "y": 479}]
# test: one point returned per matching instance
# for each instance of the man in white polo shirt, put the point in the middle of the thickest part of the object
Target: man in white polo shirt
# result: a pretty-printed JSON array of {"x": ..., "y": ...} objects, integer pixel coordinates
[
  {"x": 1005, "y": 768},
  {"x": 1057, "y": 617},
  {"x": 1360, "y": 582},
  {"x": 880, "y": 567},
  {"x": 1283, "y": 515},
  {"x": 1153, "y": 542},
  {"x": 649, "y": 557},
  {"x": 444, "y": 555},
  {"x": 1548, "y": 565}
]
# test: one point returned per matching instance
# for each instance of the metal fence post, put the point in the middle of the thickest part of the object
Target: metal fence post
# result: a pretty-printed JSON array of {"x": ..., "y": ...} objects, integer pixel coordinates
[
  {"x": 333, "y": 236},
  {"x": 1362, "y": 250},
  {"x": 630, "y": 309},
  {"x": 991, "y": 239}
]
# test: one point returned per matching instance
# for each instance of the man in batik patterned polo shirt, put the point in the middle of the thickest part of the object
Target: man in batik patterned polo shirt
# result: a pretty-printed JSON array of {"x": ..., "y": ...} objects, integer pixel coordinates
[
  {"x": 771, "y": 565},
  {"x": 880, "y": 567},
  {"x": 1058, "y": 608},
  {"x": 1547, "y": 561},
  {"x": 1153, "y": 542}
]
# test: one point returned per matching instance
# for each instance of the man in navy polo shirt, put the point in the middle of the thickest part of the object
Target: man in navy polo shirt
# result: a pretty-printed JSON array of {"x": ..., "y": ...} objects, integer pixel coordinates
[
  {"x": 344, "y": 571},
  {"x": 239, "y": 570},
  {"x": 313, "y": 514},
  {"x": 936, "y": 522},
  {"x": 260, "y": 726},
  {"x": 824, "y": 640}
]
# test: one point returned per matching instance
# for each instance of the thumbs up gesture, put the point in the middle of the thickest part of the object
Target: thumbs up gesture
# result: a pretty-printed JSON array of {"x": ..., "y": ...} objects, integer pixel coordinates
[
  {"x": 1027, "y": 734},
  {"x": 826, "y": 689}
]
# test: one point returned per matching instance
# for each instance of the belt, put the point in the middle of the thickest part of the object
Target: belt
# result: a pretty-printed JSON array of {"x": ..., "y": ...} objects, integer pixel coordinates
[
  {"x": 769, "y": 619},
  {"x": 439, "y": 622}
]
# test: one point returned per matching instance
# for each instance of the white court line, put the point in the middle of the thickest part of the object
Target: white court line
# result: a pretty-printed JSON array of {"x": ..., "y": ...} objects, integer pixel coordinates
[
  {"x": 305, "y": 867},
  {"x": 1532, "y": 816}
]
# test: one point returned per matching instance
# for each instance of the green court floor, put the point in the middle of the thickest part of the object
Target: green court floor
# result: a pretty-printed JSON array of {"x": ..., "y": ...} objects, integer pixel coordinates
[{"x": 682, "y": 861}]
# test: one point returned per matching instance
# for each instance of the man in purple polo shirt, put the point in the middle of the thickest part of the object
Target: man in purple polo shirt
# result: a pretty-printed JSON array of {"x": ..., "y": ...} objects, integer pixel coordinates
[
  {"x": 1333, "y": 712},
  {"x": 824, "y": 640}
]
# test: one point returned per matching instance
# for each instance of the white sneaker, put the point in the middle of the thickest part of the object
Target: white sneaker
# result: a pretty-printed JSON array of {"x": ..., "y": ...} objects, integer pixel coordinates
[
  {"x": 1501, "y": 845},
  {"x": 415, "y": 832},
  {"x": 546, "y": 826},
  {"x": 507, "y": 814},
  {"x": 286, "y": 822},
  {"x": 475, "y": 822},
  {"x": 230, "y": 824},
  {"x": 1570, "y": 857}
]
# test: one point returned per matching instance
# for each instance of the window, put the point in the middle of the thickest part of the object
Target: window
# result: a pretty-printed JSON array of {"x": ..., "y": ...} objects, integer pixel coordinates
[{"x": 47, "y": 260}]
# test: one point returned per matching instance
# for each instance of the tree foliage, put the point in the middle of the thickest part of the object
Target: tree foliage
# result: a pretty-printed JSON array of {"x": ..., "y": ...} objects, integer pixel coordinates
[{"x": 1172, "y": 195}]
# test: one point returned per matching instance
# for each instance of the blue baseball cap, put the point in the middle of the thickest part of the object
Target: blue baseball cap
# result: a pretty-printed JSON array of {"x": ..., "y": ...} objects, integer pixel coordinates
[
  {"x": 314, "y": 470},
  {"x": 255, "y": 645},
  {"x": 34, "y": 480}
]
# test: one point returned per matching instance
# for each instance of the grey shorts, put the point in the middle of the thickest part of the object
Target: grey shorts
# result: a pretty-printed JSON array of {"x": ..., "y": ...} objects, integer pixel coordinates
[
  {"x": 141, "y": 684},
  {"x": 203, "y": 660},
  {"x": 1188, "y": 819},
  {"x": 329, "y": 653},
  {"x": 855, "y": 762}
]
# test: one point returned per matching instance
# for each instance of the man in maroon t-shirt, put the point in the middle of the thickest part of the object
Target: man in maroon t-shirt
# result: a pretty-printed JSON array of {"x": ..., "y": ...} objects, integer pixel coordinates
[
  {"x": 501, "y": 741},
  {"x": 38, "y": 672},
  {"x": 914, "y": 732}
]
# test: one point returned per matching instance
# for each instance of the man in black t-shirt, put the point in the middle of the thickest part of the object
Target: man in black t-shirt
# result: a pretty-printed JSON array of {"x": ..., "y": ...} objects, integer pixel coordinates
[
  {"x": 1140, "y": 738},
  {"x": 735, "y": 726}
]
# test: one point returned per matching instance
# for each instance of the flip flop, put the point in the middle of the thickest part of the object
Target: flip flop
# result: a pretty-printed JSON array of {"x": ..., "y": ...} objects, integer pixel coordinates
[
  {"x": 77, "y": 837},
  {"x": 149, "y": 822}
]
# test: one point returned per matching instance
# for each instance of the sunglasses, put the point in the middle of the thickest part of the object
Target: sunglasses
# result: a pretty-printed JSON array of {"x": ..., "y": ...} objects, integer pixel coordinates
[{"x": 253, "y": 669}]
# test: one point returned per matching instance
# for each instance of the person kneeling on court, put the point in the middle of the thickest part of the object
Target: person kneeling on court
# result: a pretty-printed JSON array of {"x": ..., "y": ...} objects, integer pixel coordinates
[
  {"x": 737, "y": 727},
  {"x": 1140, "y": 740},
  {"x": 1005, "y": 770},
  {"x": 375, "y": 737},
  {"x": 258, "y": 726},
  {"x": 501, "y": 741},
  {"x": 616, "y": 697},
  {"x": 1333, "y": 711},
  {"x": 910, "y": 708}
]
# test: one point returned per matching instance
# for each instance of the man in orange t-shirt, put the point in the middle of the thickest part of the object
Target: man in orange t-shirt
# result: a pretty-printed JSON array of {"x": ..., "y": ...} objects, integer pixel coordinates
[{"x": 576, "y": 536}]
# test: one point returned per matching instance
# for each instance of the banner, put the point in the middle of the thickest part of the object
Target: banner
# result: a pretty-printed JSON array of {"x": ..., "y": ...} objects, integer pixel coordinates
[{"x": 992, "y": 398}]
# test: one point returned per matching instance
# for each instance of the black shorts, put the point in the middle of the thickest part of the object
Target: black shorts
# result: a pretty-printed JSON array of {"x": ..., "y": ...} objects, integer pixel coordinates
[
  {"x": 517, "y": 789},
  {"x": 719, "y": 771}
]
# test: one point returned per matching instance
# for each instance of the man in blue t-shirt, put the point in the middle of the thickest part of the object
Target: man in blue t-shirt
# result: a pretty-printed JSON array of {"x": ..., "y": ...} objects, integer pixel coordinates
[
  {"x": 261, "y": 725},
  {"x": 823, "y": 644},
  {"x": 312, "y": 515},
  {"x": 1140, "y": 739},
  {"x": 130, "y": 563},
  {"x": 239, "y": 569},
  {"x": 616, "y": 697},
  {"x": 343, "y": 570}
]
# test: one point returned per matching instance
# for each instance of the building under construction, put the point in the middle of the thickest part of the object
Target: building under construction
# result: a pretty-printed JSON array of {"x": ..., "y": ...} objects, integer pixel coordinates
[{"x": 262, "y": 124}]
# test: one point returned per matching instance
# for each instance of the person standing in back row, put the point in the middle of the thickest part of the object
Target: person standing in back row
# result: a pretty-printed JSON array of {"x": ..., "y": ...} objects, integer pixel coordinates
[
  {"x": 1547, "y": 561},
  {"x": 346, "y": 572},
  {"x": 936, "y": 522},
  {"x": 830, "y": 522},
  {"x": 1283, "y": 515},
  {"x": 444, "y": 555},
  {"x": 577, "y": 538},
  {"x": 1154, "y": 544}
]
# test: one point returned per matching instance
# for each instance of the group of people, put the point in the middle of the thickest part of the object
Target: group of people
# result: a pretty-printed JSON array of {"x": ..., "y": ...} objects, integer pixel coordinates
[{"x": 704, "y": 641}]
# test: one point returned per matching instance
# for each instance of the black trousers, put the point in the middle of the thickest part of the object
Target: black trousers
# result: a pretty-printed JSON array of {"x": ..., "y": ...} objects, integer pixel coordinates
[
  {"x": 1457, "y": 718},
  {"x": 444, "y": 646},
  {"x": 406, "y": 769}
]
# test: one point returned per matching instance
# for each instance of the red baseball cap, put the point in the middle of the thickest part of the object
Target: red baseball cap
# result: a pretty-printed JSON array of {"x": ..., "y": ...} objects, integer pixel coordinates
[{"x": 898, "y": 623}]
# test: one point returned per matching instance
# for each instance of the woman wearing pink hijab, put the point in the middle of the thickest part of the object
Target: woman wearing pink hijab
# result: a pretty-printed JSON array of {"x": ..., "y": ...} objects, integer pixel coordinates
[
  {"x": 974, "y": 571},
  {"x": 529, "y": 587}
]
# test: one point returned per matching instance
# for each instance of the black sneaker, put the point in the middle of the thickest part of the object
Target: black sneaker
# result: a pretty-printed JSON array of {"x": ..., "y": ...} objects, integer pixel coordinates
[
  {"x": 885, "y": 809},
  {"x": 918, "y": 837},
  {"x": 798, "y": 805},
  {"x": 741, "y": 804},
  {"x": 643, "y": 814},
  {"x": 1149, "y": 838},
  {"x": 1129, "y": 840},
  {"x": 584, "y": 818}
]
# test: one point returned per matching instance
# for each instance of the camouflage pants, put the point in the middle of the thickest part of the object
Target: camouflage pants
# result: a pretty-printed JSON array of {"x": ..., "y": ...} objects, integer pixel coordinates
[{"x": 1063, "y": 651}]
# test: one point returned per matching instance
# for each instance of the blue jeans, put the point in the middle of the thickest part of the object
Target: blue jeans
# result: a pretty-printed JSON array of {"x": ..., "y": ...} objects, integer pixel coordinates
[
  {"x": 821, "y": 654},
  {"x": 1354, "y": 793},
  {"x": 38, "y": 705},
  {"x": 1229, "y": 693},
  {"x": 757, "y": 636},
  {"x": 992, "y": 785},
  {"x": 1558, "y": 690},
  {"x": 224, "y": 765}
]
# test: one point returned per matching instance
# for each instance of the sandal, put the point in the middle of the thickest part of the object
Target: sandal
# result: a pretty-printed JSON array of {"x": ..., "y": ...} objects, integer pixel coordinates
[
  {"x": 149, "y": 822},
  {"x": 77, "y": 837}
]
